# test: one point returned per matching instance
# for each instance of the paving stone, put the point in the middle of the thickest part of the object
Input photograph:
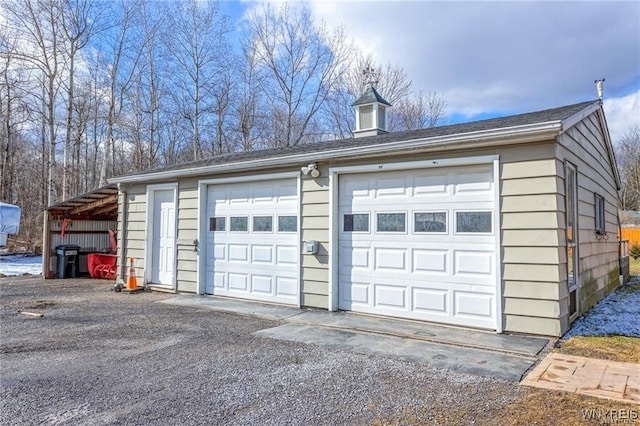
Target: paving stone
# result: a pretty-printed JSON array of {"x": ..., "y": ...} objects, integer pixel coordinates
[
  {"x": 614, "y": 383},
  {"x": 599, "y": 378},
  {"x": 632, "y": 393}
]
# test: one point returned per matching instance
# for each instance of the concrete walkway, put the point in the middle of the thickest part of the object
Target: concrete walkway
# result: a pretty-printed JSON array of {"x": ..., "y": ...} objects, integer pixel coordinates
[
  {"x": 619, "y": 381},
  {"x": 477, "y": 352}
]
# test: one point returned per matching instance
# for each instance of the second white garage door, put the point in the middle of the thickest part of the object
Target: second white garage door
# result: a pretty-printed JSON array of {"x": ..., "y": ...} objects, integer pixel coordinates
[
  {"x": 419, "y": 244},
  {"x": 252, "y": 240}
]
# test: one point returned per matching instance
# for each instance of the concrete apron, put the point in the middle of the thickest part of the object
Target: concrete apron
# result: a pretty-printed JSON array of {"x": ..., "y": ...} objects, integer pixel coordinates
[{"x": 468, "y": 351}]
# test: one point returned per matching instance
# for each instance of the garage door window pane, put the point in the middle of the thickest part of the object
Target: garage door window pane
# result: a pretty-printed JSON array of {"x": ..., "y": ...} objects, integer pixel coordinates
[
  {"x": 479, "y": 222},
  {"x": 430, "y": 222},
  {"x": 287, "y": 224},
  {"x": 358, "y": 222},
  {"x": 391, "y": 222},
  {"x": 262, "y": 224},
  {"x": 238, "y": 224},
  {"x": 217, "y": 224}
]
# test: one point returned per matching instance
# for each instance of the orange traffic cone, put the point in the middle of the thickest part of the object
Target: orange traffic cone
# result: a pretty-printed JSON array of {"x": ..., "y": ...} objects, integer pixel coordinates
[{"x": 132, "y": 283}]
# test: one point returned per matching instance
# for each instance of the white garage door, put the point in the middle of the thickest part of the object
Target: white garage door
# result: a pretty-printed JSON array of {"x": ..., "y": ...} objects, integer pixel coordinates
[
  {"x": 252, "y": 240},
  {"x": 419, "y": 244}
]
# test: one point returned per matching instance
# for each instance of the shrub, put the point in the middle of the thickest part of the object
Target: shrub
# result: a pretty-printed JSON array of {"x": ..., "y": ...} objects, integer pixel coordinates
[{"x": 634, "y": 251}]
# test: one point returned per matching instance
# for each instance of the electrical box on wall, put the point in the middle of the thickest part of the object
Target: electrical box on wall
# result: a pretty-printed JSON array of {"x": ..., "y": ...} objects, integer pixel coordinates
[{"x": 311, "y": 247}]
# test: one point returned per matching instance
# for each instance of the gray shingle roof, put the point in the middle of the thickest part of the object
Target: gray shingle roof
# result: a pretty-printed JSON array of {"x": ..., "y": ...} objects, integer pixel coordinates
[
  {"x": 370, "y": 96},
  {"x": 554, "y": 114}
]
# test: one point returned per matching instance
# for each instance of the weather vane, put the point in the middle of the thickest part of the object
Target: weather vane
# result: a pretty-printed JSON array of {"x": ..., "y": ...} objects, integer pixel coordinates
[{"x": 370, "y": 75}]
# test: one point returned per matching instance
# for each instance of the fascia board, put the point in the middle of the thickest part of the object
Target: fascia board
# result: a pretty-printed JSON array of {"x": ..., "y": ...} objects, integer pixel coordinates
[
  {"x": 596, "y": 107},
  {"x": 504, "y": 136},
  {"x": 572, "y": 120},
  {"x": 610, "y": 151}
]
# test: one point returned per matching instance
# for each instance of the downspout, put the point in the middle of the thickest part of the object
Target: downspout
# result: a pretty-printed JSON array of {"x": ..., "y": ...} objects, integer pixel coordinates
[{"x": 122, "y": 234}]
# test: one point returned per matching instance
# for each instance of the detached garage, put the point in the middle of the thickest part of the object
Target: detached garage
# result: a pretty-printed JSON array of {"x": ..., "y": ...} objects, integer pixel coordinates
[{"x": 508, "y": 224}]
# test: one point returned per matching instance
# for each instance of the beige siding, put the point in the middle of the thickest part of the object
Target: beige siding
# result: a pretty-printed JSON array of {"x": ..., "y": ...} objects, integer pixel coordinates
[
  {"x": 528, "y": 169},
  {"x": 535, "y": 255},
  {"x": 530, "y": 195},
  {"x": 533, "y": 325},
  {"x": 584, "y": 146},
  {"x": 520, "y": 220},
  {"x": 531, "y": 307},
  {"x": 315, "y": 300},
  {"x": 315, "y": 287},
  {"x": 546, "y": 184},
  {"x": 135, "y": 233},
  {"x": 315, "y": 210},
  {"x": 526, "y": 278},
  {"x": 531, "y": 237},
  {"x": 314, "y": 225},
  {"x": 525, "y": 290},
  {"x": 187, "y": 232},
  {"x": 532, "y": 272}
]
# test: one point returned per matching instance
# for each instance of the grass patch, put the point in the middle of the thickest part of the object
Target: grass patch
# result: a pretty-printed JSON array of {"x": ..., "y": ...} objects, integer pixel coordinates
[
  {"x": 612, "y": 348},
  {"x": 547, "y": 407},
  {"x": 634, "y": 266}
]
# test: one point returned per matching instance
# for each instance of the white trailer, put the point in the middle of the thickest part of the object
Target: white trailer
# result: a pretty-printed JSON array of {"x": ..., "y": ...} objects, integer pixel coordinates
[{"x": 9, "y": 221}]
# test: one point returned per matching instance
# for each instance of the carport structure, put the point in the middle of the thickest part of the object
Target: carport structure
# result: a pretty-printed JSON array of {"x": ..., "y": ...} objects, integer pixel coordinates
[{"x": 84, "y": 221}]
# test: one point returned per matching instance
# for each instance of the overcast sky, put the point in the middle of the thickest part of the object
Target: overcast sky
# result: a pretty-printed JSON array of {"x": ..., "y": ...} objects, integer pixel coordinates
[{"x": 500, "y": 58}]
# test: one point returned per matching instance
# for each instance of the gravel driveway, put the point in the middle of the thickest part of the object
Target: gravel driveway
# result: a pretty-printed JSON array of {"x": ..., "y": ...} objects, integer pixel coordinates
[{"x": 99, "y": 357}]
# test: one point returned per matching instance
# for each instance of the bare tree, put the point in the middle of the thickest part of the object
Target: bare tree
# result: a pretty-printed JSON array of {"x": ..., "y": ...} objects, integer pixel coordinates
[
  {"x": 147, "y": 91},
  {"x": 197, "y": 41},
  {"x": 26, "y": 185},
  {"x": 221, "y": 93},
  {"x": 302, "y": 64},
  {"x": 628, "y": 158},
  {"x": 94, "y": 95},
  {"x": 247, "y": 100},
  {"x": 38, "y": 21},
  {"x": 83, "y": 177},
  {"x": 418, "y": 111},
  {"x": 80, "y": 20},
  {"x": 124, "y": 54},
  {"x": 9, "y": 102}
]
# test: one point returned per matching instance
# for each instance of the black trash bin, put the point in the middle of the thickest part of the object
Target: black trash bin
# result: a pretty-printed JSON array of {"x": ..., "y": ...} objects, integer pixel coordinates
[{"x": 68, "y": 257}]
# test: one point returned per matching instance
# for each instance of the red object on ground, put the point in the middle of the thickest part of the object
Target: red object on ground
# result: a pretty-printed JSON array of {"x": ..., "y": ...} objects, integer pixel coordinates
[{"x": 101, "y": 265}]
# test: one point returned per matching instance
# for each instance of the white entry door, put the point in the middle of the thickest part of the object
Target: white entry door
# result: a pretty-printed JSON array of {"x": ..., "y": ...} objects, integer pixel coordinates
[
  {"x": 419, "y": 244},
  {"x": 252, "y": 240},
  {"x": 163, "y": 237}
]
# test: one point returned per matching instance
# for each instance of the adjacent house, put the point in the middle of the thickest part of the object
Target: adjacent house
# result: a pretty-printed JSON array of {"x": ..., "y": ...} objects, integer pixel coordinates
[{"x": 507, "y": 224}]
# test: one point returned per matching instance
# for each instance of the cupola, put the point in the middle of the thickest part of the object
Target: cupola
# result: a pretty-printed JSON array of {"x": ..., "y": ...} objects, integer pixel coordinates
[{"x": 371, "y": 114}]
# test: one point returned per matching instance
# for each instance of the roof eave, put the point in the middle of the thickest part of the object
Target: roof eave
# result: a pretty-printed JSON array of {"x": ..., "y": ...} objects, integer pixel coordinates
[
  {"x": 572, "y": 120},
  {"x": 495, "y": 137},
  {"x": 596, "y": 106}
]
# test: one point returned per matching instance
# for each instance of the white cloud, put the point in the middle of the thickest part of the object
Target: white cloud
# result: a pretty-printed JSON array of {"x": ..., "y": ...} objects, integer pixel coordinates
[
  {"x": 622, "y": 113},
  {"x": 500, "y": 57}
]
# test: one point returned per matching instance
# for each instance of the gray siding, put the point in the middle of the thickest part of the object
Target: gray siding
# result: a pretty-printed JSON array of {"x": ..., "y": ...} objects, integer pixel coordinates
[{"x": 585, "y": 147}]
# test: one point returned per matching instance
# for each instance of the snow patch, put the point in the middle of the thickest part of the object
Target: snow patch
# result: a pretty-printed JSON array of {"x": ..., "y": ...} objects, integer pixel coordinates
[
  {"x": 617, "y": 314},
  {"x": 20, "y": 264}
]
